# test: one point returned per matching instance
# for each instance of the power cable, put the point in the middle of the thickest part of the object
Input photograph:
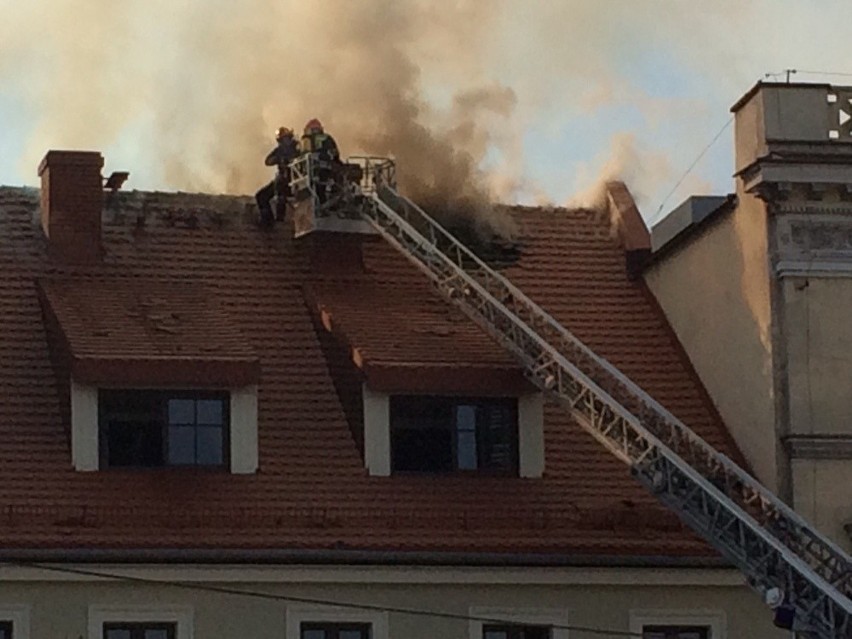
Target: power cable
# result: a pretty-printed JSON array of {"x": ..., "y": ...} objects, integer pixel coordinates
[
  {"x": 255, "y": 594},
  {"x": 695, "y": 162}
]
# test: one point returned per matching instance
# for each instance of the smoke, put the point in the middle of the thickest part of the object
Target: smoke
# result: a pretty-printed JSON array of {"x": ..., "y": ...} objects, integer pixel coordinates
[
  {"x": 643, "y": 170},
  {"x": 186, "y": 93},
  {"x": 202, "y": 84}
]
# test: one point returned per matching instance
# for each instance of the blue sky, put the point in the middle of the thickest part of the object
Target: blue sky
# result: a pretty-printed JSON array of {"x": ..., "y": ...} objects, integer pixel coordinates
[{"x": 174, "y": 91}]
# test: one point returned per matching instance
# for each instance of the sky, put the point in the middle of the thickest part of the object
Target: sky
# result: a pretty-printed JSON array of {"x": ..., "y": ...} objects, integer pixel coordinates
[{"x": 533, "y": 101}]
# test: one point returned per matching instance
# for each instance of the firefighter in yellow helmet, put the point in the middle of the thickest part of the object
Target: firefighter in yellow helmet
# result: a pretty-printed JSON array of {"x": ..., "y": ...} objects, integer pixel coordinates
[
  {"x": 325, "y": 154},
  {"x": 285, "y": 151}
]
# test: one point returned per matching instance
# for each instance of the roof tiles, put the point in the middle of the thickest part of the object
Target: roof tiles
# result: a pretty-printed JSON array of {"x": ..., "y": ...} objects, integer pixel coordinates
[{"x": 312, "y": 490}]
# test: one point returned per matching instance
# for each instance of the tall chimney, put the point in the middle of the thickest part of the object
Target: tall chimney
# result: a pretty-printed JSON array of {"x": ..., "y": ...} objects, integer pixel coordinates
[{"x": 71, "y": 204}]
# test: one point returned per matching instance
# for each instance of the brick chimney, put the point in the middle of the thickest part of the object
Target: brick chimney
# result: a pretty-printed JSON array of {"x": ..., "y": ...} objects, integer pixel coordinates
[
  {"x": 634, "y": 235},
  {"x": 71, "y": 204}
]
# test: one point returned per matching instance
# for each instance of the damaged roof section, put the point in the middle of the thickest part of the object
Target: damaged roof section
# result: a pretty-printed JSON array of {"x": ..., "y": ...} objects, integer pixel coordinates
[
  {"x": 406, "y": 339},
  {"x": 131, "y": 331}
]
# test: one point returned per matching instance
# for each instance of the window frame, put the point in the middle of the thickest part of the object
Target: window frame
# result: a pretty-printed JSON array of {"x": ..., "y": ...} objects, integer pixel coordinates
[
  {"x": 295, "y": 616},
  {"x": 551, "y": 617},
  {"x": 16, "y": 617},
  {"x": 715, "y": 620},
  {"x": 454, "y": 401},
  {"x": 163, "y": 395},
  {"x": 181, "y": 616},
  {"x": 333, "y": 628},
  {"x": 678, "y": 629},
  {"x": 512, "y": 630},
  {"x": 137, "y": 627}
]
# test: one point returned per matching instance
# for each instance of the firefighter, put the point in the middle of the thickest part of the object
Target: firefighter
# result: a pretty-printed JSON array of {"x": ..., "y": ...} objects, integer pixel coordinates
[
  {"x": 284, "y": 152},
  {"x": 326, "y": 155}
]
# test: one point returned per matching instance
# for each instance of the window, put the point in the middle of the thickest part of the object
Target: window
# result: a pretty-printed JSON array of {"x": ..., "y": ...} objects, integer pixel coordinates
[
  {"x": 444, "y": 434},
  {"x": 679, "y": 624},
  {"x": 5, "y": 630},
  {"x": 515, "y": 632},
  {"x": 146, "y": 630},
  {"x": 676, "y": 632},
  {"x": 334, "y": 631},
  {"x": 163, "y": 428},
  {"x": 140, "y": 622},
  {"x": 330, "y": 622}
]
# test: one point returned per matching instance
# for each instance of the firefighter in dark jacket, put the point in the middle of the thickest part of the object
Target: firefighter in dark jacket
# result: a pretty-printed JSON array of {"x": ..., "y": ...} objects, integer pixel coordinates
[
  {"x": 326, "y": 156},
  {"x": 285, "y": 152}
]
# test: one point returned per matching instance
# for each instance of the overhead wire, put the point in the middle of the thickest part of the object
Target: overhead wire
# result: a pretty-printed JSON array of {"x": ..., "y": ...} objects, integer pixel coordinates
[
  {"x": 268, "y": 596},
  {"x": 786, "y": 72},
  {"x": 689, "y": 169}
]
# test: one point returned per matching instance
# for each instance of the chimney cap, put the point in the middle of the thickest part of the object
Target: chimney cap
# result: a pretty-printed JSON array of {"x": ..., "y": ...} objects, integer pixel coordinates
[
  {"x": 116, "y": 180},
  {"x": 70, "y": 158}
]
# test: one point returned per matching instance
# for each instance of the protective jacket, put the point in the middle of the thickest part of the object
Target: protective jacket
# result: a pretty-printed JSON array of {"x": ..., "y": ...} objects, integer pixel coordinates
[
  {"x": 286, "y": 151},
  {"x": 321, "y": 143}
]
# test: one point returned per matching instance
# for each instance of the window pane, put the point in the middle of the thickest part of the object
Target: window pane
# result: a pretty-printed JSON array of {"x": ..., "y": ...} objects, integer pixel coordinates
[
  {"x": 495, "y": 634},
  {"x": 181, "y": 445},
  {"x": 159, "y": 633},
  {"x": 134, "y": 443},
  {"x": 676, "y": 632},
  {"x": 498, "y": 432},
  {"x": 210, "y": 411},
  {"x": 181, "y": 411},
  {"x": 352, "y": 634},
  {"x": 5, "y": 630},
  {"x": 117, "y": 633},
  {"x": 209, "y": 445},
  {"x": 466, "y": 437},
  {"x": 313, "y": 633},
  {"x": 422, "y": 450}
]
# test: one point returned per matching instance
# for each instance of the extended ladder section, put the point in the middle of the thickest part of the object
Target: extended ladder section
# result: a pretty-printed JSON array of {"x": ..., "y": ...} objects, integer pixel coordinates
[{"x": 783, "y": 557}]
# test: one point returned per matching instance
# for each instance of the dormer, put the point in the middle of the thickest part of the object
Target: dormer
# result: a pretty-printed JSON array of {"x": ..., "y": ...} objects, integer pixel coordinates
[
  {"x": 425, "y": 390},
  {"x": 154, "y": 374}
]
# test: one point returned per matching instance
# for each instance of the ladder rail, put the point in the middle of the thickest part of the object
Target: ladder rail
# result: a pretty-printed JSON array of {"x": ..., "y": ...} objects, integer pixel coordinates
[
  {"x": 647, "y": 455},
  {"x": 824, "y": 553}
]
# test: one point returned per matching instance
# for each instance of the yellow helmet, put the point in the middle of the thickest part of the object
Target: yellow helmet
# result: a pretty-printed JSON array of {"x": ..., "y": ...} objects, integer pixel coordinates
[{"x": 283, "y": 132}]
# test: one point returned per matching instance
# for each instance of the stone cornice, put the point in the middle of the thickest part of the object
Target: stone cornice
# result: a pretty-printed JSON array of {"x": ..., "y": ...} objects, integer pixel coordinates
[{"x": 819, "y": 446}]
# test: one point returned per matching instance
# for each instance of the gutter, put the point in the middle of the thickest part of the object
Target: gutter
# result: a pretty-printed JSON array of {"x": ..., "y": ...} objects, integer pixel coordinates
[{"x": 347, "y": 558}]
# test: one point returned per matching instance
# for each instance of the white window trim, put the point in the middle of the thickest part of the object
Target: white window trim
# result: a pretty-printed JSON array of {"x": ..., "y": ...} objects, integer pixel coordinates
[
  {"x": 19, "y": 615},
  {"x": 297, "y": 615},
  {"x": 377, "y": 436},
  {"x": 85, "y": 454},
  {"x": 530, "y": 616},
  {"x": 85, "y": 429},
  {"x": 180, "y": 615},
  {"x": 715, "y": 619},
  {"x": 243, "y": 430}
]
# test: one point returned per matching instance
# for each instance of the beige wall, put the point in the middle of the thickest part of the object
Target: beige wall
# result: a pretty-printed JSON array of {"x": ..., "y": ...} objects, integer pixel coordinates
[
  {"x": 817, "y": 312},
  {"x": 714, "y": 290},
  {"x": 822, "y": 493},
  {"x": 818, "y": 318},
  {"x": 60, "y": 610}
]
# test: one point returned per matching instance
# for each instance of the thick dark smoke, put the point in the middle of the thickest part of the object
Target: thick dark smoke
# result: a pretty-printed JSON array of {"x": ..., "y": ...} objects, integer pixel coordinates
[
  {"x": 186, "y": 93},
  {"x": 201, "y": 84}
]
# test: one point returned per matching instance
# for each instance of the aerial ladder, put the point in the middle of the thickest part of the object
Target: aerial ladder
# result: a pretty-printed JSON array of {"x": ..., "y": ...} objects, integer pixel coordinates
[{"x": 802, "y": 575}]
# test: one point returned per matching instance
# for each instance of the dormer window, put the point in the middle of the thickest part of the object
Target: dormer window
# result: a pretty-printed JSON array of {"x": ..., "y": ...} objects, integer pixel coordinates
[
  {"x": 144, "y": 428},
  {"x": 446, "y": 434}
]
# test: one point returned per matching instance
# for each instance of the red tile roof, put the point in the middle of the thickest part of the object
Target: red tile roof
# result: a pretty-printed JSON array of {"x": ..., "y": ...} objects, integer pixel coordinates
[
  {"x": 145, "y": 332},
  {"x": 312, "y": 490},
  {"x": 405, "y": 338}
]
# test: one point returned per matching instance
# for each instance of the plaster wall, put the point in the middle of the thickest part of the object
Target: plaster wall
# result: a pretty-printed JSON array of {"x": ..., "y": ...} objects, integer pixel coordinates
[
  {"x": 62, "y": 610},
  {"x": 714, "y": 290}
]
